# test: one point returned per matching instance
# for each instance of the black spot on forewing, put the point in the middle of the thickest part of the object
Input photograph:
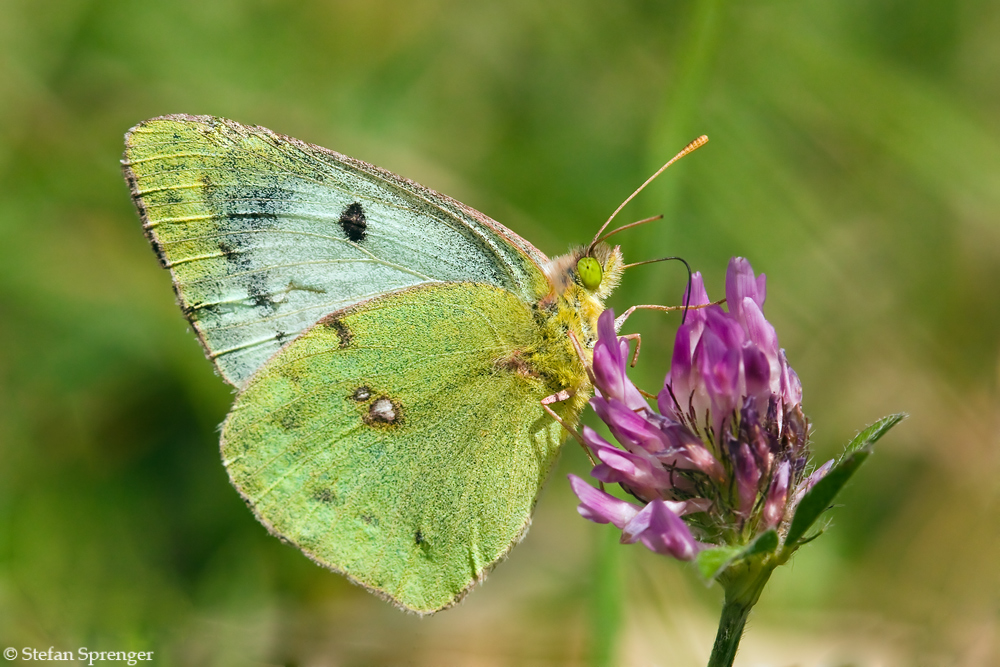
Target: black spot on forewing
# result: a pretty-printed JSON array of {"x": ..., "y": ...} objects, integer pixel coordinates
[
  {"x": 354, "y": 223},
  {"x": 292, "y": 373}
]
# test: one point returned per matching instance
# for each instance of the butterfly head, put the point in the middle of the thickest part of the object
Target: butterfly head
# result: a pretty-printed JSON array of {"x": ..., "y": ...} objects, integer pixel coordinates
[
  {"x": 586, "y": 273},
  {"x": 580, "y": 281},
  {"x": 600, "y": 270}
]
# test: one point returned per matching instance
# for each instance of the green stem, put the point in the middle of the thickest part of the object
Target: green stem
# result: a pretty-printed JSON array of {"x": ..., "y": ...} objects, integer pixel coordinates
[
  {"x": 727, "y": 641},
  {"x": 606, "y": 612},
  {"x": 743, "y": 588}
]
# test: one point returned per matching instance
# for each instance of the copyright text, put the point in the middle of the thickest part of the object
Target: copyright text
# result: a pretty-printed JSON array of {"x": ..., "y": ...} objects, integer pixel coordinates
[{"x": 83, "y": 654}]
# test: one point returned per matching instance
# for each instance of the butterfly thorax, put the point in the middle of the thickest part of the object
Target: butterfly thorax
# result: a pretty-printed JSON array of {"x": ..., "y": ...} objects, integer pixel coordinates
[{"x": 570, "y": 307}]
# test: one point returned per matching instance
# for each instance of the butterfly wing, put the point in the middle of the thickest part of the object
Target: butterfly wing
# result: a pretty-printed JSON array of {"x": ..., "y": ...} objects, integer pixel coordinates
[
  {"x": 264, "y": 234},
  {"x": 401, "y": 441}
]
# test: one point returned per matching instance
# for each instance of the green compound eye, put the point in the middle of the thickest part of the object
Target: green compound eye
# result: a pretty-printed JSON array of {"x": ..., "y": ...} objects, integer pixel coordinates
[{"x": 589, "y": 270}]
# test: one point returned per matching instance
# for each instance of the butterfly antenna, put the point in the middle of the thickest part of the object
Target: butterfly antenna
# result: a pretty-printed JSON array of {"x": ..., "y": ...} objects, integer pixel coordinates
[
  {"x": 690, "y": 148},
  {"x": 687, "y": 292},
  {"x": 624, "y": 227}
]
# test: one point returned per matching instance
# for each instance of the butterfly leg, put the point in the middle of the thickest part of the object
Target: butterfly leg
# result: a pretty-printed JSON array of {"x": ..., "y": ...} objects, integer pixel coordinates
[
  {"x": 638, "y": 343},
  {"x": 635, "y": 357},
  {"x": 559, "y": 397},
  {"x": 620, "y": 320}
]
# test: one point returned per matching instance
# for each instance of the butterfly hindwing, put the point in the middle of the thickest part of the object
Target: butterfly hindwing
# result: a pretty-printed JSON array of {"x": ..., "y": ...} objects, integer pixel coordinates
[
  {"x": 264, "y": 234},
  {"x": 401, "y": 441}
]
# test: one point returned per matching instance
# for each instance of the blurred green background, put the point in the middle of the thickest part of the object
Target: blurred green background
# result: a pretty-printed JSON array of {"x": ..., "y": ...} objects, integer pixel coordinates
[{"x": 854, "y": 158}]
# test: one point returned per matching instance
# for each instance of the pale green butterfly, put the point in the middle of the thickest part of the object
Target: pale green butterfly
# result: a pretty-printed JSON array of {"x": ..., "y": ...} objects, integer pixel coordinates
[{"x": 392, "y": 348}]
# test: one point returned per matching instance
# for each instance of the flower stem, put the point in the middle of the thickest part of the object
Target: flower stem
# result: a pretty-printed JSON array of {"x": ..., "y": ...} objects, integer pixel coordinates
[
  {"x": 727, "y": 641},
  {"x": 743, "y": 584}
]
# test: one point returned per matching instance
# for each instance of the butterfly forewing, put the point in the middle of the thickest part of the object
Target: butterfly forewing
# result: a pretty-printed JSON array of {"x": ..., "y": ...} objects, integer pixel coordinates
[
  {"x": 264, "y": 234},
  {"x": 401, "y": 441}
]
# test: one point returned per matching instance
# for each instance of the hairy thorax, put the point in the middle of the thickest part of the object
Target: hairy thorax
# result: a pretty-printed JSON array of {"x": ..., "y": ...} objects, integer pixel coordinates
[{"x": 568, "y": 311}]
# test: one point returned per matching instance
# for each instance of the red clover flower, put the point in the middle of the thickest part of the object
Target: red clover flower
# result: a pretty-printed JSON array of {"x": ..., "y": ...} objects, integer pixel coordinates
[
  {"x": 729, "y": 439},
  {"x": 720, "y": 471}
]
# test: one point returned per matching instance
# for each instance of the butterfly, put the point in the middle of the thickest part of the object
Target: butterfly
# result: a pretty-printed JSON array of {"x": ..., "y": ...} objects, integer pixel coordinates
[{"x": 392, "y": 349}]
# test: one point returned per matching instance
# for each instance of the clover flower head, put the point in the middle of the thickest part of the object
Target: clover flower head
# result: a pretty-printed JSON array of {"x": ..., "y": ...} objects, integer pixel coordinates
[{"x": 724, "y": 456}]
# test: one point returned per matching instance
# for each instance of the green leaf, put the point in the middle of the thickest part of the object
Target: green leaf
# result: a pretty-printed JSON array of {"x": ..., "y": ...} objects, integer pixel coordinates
[
  {"x": 819, "y": 498},
  {"x": 871, "y": 434},
  {"x": 711, "y": 562}
]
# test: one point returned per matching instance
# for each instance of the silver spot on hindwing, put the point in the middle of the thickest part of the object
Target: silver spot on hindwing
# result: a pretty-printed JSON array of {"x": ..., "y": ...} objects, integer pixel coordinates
[{"x": 382, "y": 410}]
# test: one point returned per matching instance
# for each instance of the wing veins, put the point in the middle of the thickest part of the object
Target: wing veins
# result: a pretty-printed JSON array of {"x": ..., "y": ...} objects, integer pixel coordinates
[
  {"x": 130, "y": 162},
  {"x": 444, "y": 259},
  {"x": 164, "y": 188},
  {"x": 326, "y": 304},
  {"x": 375, "y": 260}
]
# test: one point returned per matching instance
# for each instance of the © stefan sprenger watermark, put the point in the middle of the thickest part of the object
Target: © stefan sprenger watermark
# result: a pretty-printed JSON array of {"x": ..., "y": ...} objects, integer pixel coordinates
[{"x": 81, "y": 655}]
